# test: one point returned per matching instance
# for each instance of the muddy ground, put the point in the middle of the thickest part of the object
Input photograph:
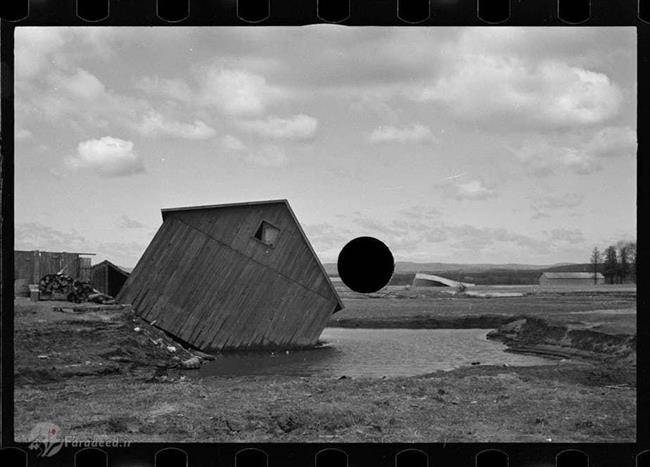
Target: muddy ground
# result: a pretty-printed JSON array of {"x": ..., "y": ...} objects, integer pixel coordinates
[{"x": 95, "y": 376}]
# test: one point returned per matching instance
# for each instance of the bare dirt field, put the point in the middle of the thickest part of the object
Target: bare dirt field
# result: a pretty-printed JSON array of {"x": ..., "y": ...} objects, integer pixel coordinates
[{"x": 94, "y": 376}]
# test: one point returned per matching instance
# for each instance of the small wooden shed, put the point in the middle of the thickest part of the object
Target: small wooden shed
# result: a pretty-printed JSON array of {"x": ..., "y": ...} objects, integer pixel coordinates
[
  {"x": 108, "y": 278},
  {"x": 233, "y": 276}
]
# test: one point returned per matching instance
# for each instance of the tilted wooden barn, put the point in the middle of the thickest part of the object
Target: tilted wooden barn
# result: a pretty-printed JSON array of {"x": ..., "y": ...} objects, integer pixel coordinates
[
  {"x": 233, "y": 276},
  {"x": 108, "y": 278}
]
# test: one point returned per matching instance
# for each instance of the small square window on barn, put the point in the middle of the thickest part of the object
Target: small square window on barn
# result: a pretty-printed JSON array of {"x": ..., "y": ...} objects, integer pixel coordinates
[{"x": 267, "y": 233}]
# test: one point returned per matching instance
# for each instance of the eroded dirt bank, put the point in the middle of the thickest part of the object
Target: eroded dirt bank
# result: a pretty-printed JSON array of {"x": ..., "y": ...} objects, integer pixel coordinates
[
  {"x": 534, "y": 335},
  {"x": 53, "y": 346}
]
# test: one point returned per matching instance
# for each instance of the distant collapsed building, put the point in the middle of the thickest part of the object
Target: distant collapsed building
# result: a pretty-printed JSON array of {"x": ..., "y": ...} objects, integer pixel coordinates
[
  {"x": 568, "y": 279},
  {"x": 430, "y": 280},
  {"x": 233, "y": 276}
]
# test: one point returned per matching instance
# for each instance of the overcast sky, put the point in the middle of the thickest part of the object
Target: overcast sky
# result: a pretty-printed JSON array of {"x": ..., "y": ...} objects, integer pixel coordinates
[{"x": 449, "y": 144}]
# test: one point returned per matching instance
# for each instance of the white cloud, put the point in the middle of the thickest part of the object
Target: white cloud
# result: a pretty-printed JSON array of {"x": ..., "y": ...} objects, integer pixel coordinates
[
  {"x": 125, "y": 222},
  {"x": 237, "y": 92},
  {"x": 543, "y": 206},
  {"x": 408, "y": 237},
  {"x": 544, "y": 157},
  {"x": 37, "y": 236},
  {"x": 108, "y": 156},
  {"x": 268, "y": 156},
  {"x": 83, "y": 85},
  {"x": 33, "y": 47},
  {"x": 566, "y": 200},
  {"x": 613, "y": 142},
  {"x": 513, "y": 94},
  {"x": 23, "y": 134},
  {"x": 566, "y": 235},
  {"x": 579, "y": 161},
  {"x": 410, "y": 134},
  {"x": 154, "y": 124},
  {"x": 232, "y": 143},
  {"x": 299, "y": 127},
  {"x": 173, "y": 88},
  {"x": 473, "y": 189}
]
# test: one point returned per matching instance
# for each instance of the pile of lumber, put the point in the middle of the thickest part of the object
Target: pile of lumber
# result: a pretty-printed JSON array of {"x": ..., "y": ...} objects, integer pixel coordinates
[{"x": 65, "y": 286}]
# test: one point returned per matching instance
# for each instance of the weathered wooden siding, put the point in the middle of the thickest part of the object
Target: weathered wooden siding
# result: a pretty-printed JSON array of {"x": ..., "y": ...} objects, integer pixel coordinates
[
  {"x": 235, "y": 227},
  {"x": 208, "y": 281},
  {"x": 107, "y": 278},
  {"x": 32, "y": 265}
]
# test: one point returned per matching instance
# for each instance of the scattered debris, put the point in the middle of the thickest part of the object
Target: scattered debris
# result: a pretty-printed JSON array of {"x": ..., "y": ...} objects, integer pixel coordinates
[
  {"x": 203, "y": 355},
  {"x": 61, "y": 286},
  {"x": 191, "y": 363},
  {"x": 98, "y": 297},
  {"x": 85, "y": 308}
]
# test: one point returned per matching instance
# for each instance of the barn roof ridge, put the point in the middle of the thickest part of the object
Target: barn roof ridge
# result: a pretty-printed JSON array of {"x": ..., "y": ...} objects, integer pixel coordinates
[
  {"x": 224, "y": 205},
  {"x": 112, "y": 264}
]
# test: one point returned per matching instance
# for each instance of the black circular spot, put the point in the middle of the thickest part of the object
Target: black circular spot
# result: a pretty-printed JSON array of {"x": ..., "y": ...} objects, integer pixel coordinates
[{"x": 365, "y": 264}]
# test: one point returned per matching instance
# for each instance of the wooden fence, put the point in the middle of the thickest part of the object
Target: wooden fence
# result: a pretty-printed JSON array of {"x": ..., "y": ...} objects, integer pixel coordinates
[{"x": 30, "y": 266}]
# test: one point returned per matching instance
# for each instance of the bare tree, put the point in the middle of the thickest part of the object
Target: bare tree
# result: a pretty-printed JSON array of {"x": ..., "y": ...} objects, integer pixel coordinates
[
  {"x": 632, "y": 258},
  {"x": 627, "y": 256},
  {"x": 624, "y": 264},
  {"x": 610, "y": 264},
  {"x": 595, "y": 261}
]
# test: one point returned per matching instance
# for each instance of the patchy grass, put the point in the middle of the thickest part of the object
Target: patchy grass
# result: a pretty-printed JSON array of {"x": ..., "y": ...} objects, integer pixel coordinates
[{"x": 564, "y": 403}]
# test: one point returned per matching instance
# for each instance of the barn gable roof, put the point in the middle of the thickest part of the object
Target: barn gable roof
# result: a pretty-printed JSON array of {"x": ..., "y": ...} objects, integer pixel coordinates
[
  {"x": 166, "y": 211},
  {"x": 112, "y": 265}
]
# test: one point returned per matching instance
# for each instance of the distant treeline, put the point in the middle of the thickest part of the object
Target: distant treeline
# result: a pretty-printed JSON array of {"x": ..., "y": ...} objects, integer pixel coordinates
[
  {"x": 494, "y": 276},
  {"x": 616, "y": 262}
]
